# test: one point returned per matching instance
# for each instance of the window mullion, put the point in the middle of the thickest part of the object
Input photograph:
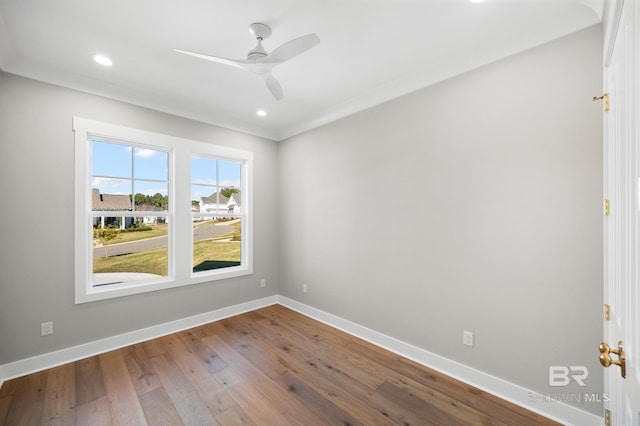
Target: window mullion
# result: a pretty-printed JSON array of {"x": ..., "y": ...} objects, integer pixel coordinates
[
  {"x": 133, "y": 178},
  {"x": 183, "y": 235}
]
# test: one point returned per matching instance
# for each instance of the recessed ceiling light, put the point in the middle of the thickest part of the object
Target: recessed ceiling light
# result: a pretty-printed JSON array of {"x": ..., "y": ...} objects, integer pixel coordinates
[
  {"x": 261, "y": 113},
  {"x": 103, "y": 60}
]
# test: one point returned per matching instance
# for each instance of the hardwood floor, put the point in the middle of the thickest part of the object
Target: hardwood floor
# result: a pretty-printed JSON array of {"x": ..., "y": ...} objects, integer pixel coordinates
[{"x": 272, "y": 366}]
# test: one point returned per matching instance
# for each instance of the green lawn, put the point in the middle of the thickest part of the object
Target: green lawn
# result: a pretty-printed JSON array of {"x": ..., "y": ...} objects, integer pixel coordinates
[
  {"x": 150, "y": 262},
  {"x": 215, "y": 250},
  {"x": 155, "y": 261}
]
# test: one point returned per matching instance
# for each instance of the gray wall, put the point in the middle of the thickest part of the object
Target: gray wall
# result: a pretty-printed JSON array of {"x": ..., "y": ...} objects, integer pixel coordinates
[
  {"x": 474, "y": 204},
  {"x": 36, "y": 225}
]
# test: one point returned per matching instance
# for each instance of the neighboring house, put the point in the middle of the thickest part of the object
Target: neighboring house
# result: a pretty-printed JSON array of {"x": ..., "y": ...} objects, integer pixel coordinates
[
  {"x": 150, "y": 220},
  {"x": 111, "y": 202},
  {"x": 234, "y": 203},
  {"x": 218, "y": 203}
]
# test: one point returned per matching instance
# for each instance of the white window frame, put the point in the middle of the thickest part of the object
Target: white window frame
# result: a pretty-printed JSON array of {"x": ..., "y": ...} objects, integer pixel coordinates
[{"x": 180, "y": 237}]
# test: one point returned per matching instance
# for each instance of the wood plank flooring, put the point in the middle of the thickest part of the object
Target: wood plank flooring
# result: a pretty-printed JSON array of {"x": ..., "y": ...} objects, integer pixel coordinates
[{"x": 270, "y": 367}]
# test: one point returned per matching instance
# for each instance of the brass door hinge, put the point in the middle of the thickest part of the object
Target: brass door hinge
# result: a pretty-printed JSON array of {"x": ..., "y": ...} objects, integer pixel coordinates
[
  {"x": 607, "y": 417},
  {"x": 607, "y": 312},
  {"x": 605, "y": 101},
  {"x": 605, "y": 207}
]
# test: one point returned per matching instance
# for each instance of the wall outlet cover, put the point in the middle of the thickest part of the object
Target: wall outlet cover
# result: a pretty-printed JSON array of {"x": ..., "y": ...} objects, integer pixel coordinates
[
  {"x": 467, "y": 338},
  {"x": 46, "y": 328}
]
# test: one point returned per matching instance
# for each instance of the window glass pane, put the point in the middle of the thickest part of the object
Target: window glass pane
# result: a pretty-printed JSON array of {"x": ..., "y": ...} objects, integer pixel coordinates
[
  {"x": 151, "y": 164},
  {"x": 110, "y": 159},
  {"x": 229, "y": 174},
  {"x": 216, "y": 243},
  {"x": 206, "y": 197},
  {"x": 127, "y": 248},
  {"x": 203, "y": 171},
  {"x": 151, "y": 196},
  {"x": 110, "y": 194}
]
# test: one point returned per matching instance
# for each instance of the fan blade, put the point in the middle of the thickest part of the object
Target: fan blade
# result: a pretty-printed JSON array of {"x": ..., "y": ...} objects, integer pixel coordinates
[
  {"x": 231, "y": 62},
  {"x": 292, "y": 48},
  {"x": 273, "y": 86}
]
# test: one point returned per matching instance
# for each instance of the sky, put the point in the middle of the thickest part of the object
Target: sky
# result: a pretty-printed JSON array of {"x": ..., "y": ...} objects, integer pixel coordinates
[{"x": 126, "y": 169}]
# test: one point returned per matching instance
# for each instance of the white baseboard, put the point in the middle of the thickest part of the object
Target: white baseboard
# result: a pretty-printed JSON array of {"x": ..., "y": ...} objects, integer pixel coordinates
[
  {"x": 558, "y": 411},
  {"x": 518, "y": 395},
  {"x": 53, "y": 359}
]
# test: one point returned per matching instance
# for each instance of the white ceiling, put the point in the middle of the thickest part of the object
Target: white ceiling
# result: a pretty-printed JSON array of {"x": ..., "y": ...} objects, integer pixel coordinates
[{"x": 370, "y": 50}]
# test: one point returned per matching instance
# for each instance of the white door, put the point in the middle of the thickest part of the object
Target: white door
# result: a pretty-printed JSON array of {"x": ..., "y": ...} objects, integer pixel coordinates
[{"x": 622, "y": 226}]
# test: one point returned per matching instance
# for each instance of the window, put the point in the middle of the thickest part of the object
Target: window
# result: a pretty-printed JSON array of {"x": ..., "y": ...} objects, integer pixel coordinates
[
  {"x": 218, "y": 215},
  {"x": 130, "y": 207},
  {"x": 155, "y": 211}
]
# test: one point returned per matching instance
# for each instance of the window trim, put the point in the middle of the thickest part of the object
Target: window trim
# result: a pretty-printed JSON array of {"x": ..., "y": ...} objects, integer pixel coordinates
[{"x": 180, "y": 238}]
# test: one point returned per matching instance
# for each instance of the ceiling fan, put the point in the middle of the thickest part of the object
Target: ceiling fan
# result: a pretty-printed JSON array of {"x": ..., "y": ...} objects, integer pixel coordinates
[{"x": 261, "y": 62}]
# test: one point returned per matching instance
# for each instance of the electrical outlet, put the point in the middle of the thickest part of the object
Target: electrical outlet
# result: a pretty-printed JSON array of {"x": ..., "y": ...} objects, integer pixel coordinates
[
  {"x": 304, "y": 288},
  {"x": 46, "y": 328},
  {"x": 467, "y": 338},
  {"x": 263, "y": 282}
]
